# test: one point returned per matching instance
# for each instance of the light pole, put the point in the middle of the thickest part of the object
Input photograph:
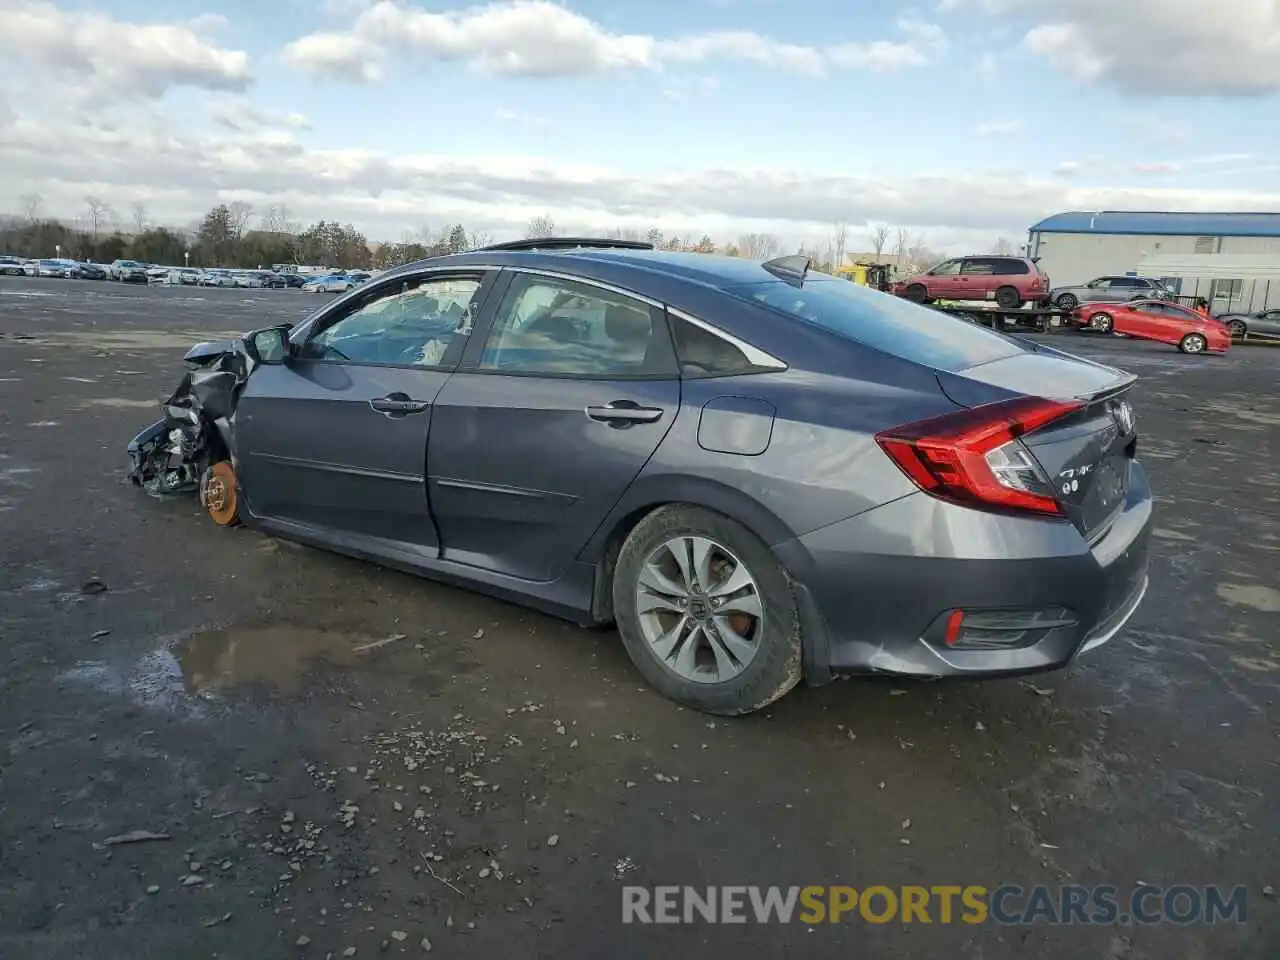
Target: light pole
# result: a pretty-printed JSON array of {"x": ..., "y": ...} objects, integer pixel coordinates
[
  {"x": 57, "y": 250},
  {"x": 186, "y": 258}
]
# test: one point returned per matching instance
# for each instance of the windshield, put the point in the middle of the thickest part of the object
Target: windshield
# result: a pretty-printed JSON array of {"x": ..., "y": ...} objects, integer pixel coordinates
[{"x": 885, "y": 323}]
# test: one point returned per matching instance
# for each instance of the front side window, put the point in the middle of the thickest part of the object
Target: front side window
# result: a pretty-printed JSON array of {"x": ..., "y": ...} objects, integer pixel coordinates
[
  {"x": 401, "y": 325},
  {"x": 559, "y": 328},
  {"x": 948, "y": 269}
]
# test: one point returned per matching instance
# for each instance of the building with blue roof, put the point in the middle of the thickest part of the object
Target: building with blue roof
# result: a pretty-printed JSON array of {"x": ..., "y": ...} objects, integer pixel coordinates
[{"x": 1202, "y": 249}]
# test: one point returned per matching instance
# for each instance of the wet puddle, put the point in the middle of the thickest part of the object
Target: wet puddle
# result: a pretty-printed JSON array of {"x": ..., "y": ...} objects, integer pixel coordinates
[
  {"x": 202, "y": 666},
  {"x": 277, "y": 655}
]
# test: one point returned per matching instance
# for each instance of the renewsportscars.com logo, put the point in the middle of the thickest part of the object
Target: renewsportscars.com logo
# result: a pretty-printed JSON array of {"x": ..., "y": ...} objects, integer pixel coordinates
[{"x": 1007, "y": 904}]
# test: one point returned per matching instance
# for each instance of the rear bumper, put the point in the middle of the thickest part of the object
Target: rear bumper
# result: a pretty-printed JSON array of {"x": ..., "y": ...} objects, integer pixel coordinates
[{"x": 876, "y": 591}]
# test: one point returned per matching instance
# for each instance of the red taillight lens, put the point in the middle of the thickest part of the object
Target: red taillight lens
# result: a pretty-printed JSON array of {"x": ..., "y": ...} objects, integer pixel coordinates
[{"x": 973, "y": 457}]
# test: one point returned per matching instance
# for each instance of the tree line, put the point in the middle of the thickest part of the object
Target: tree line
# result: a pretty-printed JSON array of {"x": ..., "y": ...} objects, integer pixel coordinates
[{"x": 236, "y": 235}]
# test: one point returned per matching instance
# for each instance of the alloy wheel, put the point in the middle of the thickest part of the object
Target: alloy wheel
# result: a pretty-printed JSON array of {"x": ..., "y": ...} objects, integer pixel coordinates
[{"x": 699, "y": 609}]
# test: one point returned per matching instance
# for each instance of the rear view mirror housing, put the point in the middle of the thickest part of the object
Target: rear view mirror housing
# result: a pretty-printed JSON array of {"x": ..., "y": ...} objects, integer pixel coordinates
[{"x": 269, "y": 345}]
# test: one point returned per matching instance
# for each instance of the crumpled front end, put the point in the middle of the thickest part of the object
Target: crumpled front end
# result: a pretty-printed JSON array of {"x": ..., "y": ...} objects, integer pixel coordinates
[{"x": 171, "y": 456}]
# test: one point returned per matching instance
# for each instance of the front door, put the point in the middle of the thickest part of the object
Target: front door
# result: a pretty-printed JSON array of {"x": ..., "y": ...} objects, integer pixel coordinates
[
  {"x": 552, "y": 415},
  {"x": 336, "y": 438}
]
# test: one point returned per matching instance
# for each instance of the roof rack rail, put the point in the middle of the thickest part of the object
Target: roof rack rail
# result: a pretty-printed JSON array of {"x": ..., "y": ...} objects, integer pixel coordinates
[{"x": 570, "y": 243}]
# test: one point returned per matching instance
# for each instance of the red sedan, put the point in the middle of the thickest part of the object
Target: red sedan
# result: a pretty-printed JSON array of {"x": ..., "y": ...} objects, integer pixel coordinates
[{"x": 1182, "y": 327}]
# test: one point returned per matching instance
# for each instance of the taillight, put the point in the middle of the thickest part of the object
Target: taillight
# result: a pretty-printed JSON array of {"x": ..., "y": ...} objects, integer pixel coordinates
[{"x": 976, "y": 458}]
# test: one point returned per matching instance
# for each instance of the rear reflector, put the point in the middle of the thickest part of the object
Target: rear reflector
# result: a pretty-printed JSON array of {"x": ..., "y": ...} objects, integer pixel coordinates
[
  {"x": 975, "y": 457},
  {"x": 954, "y": 623}
]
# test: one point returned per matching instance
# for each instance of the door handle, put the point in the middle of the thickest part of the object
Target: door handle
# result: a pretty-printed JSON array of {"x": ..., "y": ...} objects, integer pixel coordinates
[
  {"x": 624, "y": 413},
  {"x": 398, "y": 405}
]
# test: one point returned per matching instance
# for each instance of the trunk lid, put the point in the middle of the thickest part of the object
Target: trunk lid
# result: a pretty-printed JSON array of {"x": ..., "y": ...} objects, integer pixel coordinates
[{"x": 1085, "y": 456}]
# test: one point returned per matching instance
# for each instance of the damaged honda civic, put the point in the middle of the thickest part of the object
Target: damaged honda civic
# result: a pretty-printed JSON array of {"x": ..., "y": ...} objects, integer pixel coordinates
[{"x": 760, "y": 473}]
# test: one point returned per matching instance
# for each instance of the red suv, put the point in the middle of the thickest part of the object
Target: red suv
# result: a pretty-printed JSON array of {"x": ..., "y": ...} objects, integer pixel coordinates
[{"x": 1010, "y": 281}]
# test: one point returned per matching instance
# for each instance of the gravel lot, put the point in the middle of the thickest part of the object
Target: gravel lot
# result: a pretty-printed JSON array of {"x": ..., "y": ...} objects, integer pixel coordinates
[{"x": 486, "y": 784}]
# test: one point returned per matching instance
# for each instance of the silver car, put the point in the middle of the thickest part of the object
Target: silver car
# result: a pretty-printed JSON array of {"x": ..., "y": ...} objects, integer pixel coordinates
[
  {"x": 1109, "y": 290},
  {"x": 1264, "y": 323}
]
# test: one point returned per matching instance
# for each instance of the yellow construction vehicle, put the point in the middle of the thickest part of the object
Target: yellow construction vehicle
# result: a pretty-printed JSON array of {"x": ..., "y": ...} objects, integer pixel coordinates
[{"x": 874, "y": 275}]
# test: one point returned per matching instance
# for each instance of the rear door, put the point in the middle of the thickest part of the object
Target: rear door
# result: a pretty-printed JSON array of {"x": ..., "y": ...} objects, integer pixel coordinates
[
  {"x": 564, "y": 393},
  {"x": 336, "y": 438},
  {"x": 977, "y": 278}
]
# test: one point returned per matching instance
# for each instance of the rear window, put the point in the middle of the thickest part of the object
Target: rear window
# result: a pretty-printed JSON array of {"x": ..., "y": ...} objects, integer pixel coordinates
[{"x": 886, "y": 323}]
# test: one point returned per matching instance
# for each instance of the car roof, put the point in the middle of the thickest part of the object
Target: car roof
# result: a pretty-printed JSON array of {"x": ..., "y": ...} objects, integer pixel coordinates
[{"x": 698, "y": 268}]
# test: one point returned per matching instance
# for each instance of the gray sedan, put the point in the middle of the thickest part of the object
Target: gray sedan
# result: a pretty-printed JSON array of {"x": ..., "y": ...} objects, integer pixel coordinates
[
  {"x": 1264, "y": 323},
  {"x": 1109, "y": 290},
  {"x": 761, "y": 474}
]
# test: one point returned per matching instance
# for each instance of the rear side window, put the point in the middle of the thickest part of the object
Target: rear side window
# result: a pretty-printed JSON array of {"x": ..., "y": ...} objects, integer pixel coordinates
[
  {"x": 1011, "y": 268},
  {"x": 703, "y": 354},
  {"x": 885, "y": 323}
]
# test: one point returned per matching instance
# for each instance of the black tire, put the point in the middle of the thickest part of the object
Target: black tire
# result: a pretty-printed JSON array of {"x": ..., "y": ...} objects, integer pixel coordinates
[
  {"x": 1102, "y": 322},
  {"x": 1237, "y": 328},
  {"x": 776, "y": 666},
  {"x": 1193, "y": 343},
  {"x": 1067, "y": 301},
  {"x": 1008, "y": 298},
  {"x": 916, "y": 293}
]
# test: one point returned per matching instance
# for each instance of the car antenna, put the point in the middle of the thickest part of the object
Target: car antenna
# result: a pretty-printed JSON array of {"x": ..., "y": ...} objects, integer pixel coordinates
[{"x": 791, "y": 268}]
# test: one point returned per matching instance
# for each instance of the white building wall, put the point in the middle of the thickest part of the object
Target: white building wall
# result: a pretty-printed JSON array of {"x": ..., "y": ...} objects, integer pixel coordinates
[{"x": 1071, "y": 258}]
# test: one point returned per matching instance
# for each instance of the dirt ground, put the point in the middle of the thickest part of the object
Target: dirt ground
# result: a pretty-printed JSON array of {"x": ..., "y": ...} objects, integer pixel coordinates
[{"x": 486, "y": 783}]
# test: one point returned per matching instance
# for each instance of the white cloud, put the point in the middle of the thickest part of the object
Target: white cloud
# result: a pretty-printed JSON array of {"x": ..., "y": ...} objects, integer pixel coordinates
[
  {"x": 244, "y": 116},
  {"x": 181, "y": 174},
  {"x": 127, "y": 60},
  {"x": 539, "y": 38},
  {"x": 1152, "y": 47}
]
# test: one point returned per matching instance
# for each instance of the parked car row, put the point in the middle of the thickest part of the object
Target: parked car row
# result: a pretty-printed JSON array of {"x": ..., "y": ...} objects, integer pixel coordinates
[{"x": 135, "y": 271}]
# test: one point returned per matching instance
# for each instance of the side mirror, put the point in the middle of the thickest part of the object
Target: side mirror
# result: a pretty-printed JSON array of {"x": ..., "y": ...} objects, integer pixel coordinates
[{"x": 270, "y": 345}]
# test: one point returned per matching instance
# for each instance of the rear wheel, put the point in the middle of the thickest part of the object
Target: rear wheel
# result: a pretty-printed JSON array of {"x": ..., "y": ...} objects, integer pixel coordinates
[
  {"x": 1008, "y": 298},
  {"x": 1193, "y": 343},
  {"x": 1102, "y": 322},
  {"x": 706, "y": 613},
  {"x": 220, "y": 494},
  {"x": 1068, "y": 301},
  {"x": 916, "y": 293},
  {"x": 1237, "y": 328}
]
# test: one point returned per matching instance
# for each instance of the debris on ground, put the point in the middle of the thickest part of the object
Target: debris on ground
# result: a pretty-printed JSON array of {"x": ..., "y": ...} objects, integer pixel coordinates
[
  {"x": 215, "y": 921},
  {"x": 93, "y": 587},
  {"x": 134, "y": 836},
  {"x": 1038, "y": 691},
  {"x": 366, "y": 647}
]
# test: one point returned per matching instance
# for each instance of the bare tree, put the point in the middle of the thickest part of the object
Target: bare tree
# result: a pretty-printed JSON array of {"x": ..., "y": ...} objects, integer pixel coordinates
[
  {"x": 99, "y": 214},
  {"x": 879, "y": 239},
  {"x": 32, "y": 206},
  {"x": 540, "y": 227},
  {"x": 277, "y": 219},
  {"x": 901, "y": 245},
  {"x": 1002, "y": 247},
  {"x": 624, "y": 233},
  {"x": 757, "y": 246},
  {"x": 839, "y": 236},
  {"x": 139, "y": 211},
  {"x": 480, "y": 238},
  {"x": 240, "y": 214}
]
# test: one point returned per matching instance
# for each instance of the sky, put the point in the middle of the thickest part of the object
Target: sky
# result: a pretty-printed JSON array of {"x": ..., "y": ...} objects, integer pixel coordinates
[{"x": 959, "y": 121}]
